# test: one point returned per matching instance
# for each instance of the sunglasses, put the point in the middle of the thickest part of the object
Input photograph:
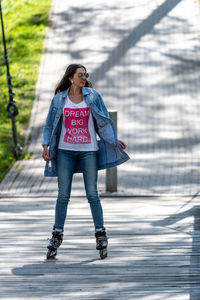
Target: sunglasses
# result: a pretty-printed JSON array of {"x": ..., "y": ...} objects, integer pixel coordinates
[{"x": 81, "y": 75}]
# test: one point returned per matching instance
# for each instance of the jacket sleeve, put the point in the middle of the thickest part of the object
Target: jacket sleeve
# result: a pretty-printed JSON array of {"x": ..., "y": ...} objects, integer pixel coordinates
[
  {"x": 100, "y": 103},
  {"x": 48, "y": 127}
]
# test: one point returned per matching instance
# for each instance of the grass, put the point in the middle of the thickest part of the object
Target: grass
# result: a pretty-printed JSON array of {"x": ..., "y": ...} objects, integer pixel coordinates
[{"x": 25, "y": 23}]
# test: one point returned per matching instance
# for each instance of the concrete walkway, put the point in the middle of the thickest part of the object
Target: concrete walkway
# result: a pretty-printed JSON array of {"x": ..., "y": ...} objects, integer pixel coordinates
[
  {"x": 143, "y": 58},
  {"x": 153, "y": 254}
]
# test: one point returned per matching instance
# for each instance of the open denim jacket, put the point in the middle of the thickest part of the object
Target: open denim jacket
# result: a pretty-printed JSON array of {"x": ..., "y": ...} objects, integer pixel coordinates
[{"x": 110, "y": 153}]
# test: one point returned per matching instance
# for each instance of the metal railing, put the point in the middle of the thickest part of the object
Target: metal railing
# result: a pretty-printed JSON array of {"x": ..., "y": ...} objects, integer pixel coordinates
[{"x": 11, "y": 107}]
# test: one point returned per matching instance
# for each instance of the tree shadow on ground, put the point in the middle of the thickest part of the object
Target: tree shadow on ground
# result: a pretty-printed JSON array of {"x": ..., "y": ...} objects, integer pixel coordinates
[
  {"x": 194, "y": 266},
  {"x": 140, "y": 258}
]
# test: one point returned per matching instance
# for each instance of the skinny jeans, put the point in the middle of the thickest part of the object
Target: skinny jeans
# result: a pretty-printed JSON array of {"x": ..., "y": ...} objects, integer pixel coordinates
[{"x": 67, "y": 161}]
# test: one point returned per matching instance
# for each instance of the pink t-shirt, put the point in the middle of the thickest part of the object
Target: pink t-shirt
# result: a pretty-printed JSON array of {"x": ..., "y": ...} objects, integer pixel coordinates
[{"x": 78, "y": 131}]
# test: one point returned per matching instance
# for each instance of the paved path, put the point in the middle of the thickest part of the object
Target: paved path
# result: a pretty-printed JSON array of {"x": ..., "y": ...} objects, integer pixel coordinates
[
  {"x": 144, "y": 59},
  {"x": 154, "y": 250},
  {"x": 143, "y": 56}
]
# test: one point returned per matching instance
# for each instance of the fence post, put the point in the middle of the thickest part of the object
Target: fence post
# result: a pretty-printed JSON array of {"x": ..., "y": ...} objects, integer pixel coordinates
[{"x": 111, "y": 173}]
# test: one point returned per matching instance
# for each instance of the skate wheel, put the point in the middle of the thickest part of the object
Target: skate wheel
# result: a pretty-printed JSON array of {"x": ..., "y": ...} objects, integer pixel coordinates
[
  {"x": 51, "y": 254},
  {"x": 103, "y": 253}
]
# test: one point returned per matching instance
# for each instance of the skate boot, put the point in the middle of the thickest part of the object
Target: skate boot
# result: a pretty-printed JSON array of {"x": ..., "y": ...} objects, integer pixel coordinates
[
  {"x": 54, "y": 244},
  {"x": 101, "y": 243}
]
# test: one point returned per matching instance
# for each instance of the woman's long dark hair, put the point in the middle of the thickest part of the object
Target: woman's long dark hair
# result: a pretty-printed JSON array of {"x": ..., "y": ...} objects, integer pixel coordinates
[{"x": 65, "y": 83}]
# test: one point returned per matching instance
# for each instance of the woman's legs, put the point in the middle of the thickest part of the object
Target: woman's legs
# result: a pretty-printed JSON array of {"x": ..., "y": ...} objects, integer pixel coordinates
[
  {"x": 88, "y": 161},
  {"x": 66, "y": 162},
  {"x": 65, "y": 168}
]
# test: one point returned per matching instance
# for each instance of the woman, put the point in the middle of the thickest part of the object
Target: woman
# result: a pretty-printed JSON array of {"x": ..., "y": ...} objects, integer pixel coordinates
[{"x": 77, "y": 112}]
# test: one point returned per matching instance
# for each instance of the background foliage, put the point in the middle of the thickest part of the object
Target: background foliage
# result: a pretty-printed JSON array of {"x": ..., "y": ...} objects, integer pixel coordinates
[{"x": 25, "y": 22}]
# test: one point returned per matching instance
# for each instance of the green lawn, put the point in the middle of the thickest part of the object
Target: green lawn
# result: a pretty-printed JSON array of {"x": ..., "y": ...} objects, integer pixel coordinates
[{"x": 25, "y": 23}]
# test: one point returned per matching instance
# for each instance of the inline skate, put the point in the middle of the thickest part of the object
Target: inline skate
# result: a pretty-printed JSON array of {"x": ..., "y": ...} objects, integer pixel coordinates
[
  {"x": 101, "y": 243},
  {"x": 54, "y": 244}
]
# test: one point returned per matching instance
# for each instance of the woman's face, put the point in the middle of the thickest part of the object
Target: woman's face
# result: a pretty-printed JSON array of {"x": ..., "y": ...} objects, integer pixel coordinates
[{"x": 79, "y": 78}]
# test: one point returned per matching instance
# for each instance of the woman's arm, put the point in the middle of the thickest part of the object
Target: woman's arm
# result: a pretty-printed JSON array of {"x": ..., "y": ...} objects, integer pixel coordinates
[
  {"x": 122, "y": 144},
  {"x": 47, "y": 130},
  {"x": 103, "y": 107},
  {"x": 100, "y": 104},
  {"x": 48, "y": 127}
]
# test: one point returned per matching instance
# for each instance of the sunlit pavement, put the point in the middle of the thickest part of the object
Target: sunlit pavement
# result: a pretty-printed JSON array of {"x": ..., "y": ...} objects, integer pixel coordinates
[
  {"x": 143, "y": 57},
  {"x": 153, "y": 250}
]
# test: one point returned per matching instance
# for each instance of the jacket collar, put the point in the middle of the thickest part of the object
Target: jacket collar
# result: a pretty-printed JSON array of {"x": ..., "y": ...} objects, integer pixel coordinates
[{"x": 85, "y": 91}]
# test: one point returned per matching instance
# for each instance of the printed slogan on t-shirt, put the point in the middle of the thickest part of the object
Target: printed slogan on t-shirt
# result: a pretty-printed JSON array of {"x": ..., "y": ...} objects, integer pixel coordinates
[{"x": 76, "y": 125}]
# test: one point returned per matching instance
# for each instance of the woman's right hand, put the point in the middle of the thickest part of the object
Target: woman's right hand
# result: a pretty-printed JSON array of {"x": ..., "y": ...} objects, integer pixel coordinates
[{"x": 45, "y": 153}]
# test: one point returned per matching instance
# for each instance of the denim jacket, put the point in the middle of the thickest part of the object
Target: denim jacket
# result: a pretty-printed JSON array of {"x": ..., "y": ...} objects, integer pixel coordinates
[{"x": 110, "y": 153}]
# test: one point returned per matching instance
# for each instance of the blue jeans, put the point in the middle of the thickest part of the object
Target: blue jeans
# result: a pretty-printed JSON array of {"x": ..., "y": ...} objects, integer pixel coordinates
[{"x": 66, "y": 162}]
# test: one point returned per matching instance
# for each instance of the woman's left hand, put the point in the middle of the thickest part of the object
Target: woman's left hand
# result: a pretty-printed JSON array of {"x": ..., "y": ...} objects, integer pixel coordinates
[{"x": 122, "y": 144}]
